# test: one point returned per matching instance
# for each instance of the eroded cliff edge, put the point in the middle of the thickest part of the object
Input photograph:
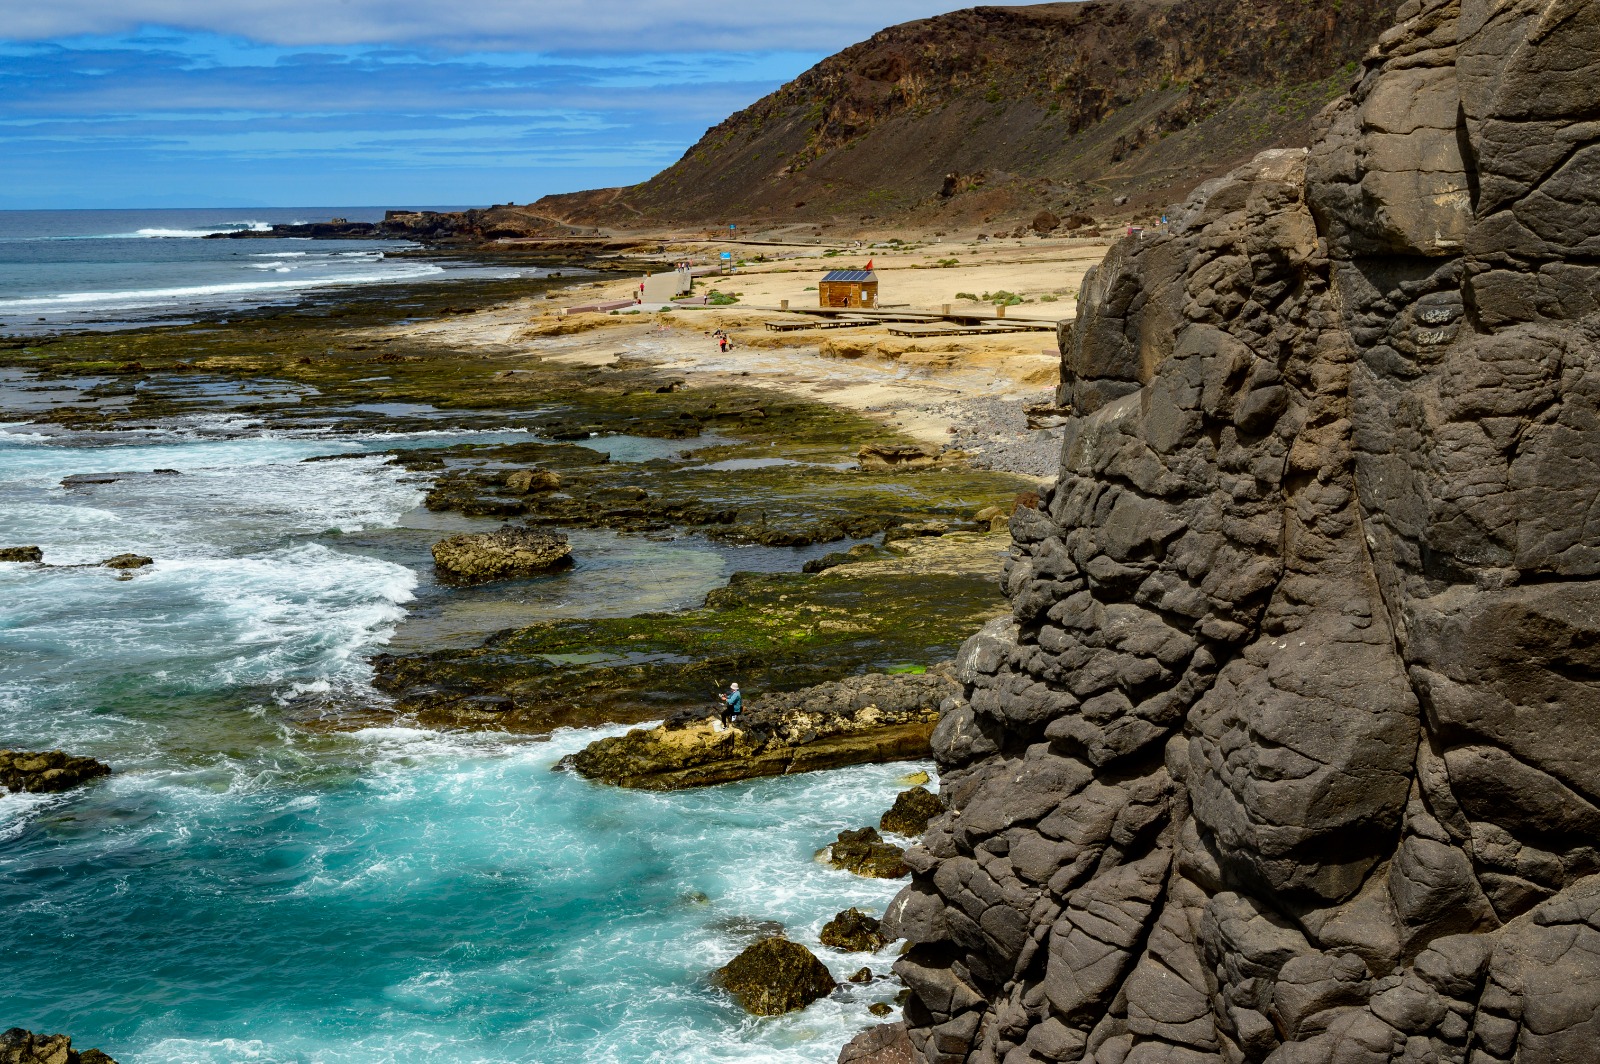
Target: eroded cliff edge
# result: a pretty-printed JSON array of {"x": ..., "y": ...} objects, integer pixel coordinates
[{"x": 1288, "y": 751}]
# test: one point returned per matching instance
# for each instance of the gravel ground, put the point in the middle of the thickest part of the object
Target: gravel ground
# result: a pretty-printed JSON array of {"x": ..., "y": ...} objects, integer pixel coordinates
[{"x": 996, "y": 431}]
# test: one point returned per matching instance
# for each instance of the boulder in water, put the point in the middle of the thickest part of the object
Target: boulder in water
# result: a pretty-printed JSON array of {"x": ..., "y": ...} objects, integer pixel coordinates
[
  {"x": 18, "y": 1046},
  {"x": 866, "y": 854},
  {"x": 853, "y": 931},
  {"x": 47, "y": 772},
  {"x": 21, "y": 554},
  {"x": 509, "y": 551},
  {"x": 775, "y": 976},
  {"x": 911, "y": 812},
  {"x": 127, "y": 561}
]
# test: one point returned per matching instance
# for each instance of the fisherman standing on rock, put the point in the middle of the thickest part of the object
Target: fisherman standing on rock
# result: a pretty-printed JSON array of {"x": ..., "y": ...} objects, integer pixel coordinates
[{"x": 732, "y": 705}]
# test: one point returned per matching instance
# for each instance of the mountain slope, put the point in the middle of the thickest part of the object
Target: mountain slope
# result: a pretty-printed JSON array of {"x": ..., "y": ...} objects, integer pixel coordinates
[{"x": 1067, "y": 106}]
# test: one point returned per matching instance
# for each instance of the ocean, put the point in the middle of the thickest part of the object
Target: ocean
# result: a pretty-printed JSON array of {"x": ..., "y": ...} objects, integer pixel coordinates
[
  {"x": 111, "y": 269},
  {"x": 247, "y": 889}
]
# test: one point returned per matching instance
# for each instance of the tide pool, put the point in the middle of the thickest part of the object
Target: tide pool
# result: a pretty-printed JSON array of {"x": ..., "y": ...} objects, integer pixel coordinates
[{"x": 247, "y": 890}]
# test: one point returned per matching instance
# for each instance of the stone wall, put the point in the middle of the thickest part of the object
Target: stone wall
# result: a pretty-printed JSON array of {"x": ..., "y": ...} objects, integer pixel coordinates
[{"x": 1288, "y": 752}]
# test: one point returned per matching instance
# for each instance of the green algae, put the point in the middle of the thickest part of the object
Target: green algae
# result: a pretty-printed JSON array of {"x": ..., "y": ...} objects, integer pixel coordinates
[{"x": 768, "y": 632}]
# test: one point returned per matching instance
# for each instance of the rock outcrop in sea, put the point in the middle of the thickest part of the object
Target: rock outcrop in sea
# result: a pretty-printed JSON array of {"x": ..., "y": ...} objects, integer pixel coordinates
[
  {"x": 853, "y": 931},
  {"x": 1286, "y": 753},
  {"x": 854, "y": 721},
  {"x": 19, "y": 1046},
  {"x": 47, "y": 771},
  {"x": 775, "y": 976},
  {"x": 509, "y": 551}
]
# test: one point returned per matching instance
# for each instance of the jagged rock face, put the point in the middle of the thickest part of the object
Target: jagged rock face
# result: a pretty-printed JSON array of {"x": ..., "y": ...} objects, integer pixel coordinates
[{"x": 1285, "y": 753}]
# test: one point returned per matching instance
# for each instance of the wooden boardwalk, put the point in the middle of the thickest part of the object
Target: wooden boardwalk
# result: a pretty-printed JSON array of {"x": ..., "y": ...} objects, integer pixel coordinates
[{"x": 966, "y": 328}]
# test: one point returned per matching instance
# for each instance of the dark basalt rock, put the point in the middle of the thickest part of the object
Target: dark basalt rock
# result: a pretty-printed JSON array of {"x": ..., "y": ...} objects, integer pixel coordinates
[
  {"x": 1285, "y": 753},
  {"x": 886, "y": 1043},
  {"x": 775, "y": 976},
  {"x": 911, "y": 812},
  {"x": 21, "y": 554},
  {"x": 18, "y": 1046},
  {"x": 47, "y": 772},
  {"x": 854, "y": 932},
  {"x": 866, "y": 854}
]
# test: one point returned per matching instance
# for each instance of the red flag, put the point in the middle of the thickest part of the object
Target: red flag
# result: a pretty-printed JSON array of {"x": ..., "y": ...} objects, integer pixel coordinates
[{"x": 869, "y": 264}]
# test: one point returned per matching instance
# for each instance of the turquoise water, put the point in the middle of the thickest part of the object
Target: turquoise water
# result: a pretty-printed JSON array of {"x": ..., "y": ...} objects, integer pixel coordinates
[{"x": 244, "y": 890}]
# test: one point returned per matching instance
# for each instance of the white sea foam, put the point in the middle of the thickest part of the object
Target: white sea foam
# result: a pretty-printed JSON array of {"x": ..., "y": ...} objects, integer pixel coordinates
[
  {"x": 184, "y": 234},
  {"x": 158, "y": 296}
]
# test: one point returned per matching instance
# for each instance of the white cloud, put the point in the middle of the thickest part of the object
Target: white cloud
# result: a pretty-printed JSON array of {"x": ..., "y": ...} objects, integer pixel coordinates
[{"x": 524, "y": 25}]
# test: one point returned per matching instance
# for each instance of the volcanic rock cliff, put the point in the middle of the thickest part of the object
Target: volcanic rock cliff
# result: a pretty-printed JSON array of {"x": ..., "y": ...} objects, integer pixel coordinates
[
  {"x": 992, "y": 112},
  {"x": 1287, "y": 752}
]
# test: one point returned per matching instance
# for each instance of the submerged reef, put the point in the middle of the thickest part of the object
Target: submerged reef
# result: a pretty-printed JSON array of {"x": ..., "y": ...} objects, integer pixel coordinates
[{"x": 1285, "y": 753}]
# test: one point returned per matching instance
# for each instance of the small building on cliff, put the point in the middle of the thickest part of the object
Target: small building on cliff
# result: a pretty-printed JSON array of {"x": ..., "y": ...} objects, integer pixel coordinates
[{"x": 848, "y": 288}]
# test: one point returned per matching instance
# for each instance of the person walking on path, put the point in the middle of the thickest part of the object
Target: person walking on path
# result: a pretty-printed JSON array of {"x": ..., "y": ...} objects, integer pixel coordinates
[{"x": 732, "y": 705}]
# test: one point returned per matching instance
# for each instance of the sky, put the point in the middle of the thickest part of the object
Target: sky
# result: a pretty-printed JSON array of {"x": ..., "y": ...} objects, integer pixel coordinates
[{"x": 282, "y": 103}]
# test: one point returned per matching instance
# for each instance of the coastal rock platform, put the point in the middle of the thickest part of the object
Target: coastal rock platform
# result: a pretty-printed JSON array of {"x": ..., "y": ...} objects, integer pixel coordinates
[{"x": 859, "y": 720}]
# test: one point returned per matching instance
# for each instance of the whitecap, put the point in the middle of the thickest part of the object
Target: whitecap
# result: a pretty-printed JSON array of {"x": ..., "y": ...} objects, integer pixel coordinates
[{"x": 158, "y": 296}]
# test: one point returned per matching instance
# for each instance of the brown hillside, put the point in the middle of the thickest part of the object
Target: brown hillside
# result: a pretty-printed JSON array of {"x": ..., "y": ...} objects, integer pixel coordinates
[{"x": 1065, "y": 106}]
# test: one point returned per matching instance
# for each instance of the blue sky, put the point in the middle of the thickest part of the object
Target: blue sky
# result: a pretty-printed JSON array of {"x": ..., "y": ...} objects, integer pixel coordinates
[{"x": 164, "y": 103}]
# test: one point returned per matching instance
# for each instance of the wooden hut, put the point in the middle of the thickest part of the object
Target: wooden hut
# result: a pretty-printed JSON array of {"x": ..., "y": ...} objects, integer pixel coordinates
[{"x": 848, "y": 288}]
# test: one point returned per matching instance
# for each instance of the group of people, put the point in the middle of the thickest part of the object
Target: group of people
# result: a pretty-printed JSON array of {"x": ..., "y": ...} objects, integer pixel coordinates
[{"x": 721, "y": 338}]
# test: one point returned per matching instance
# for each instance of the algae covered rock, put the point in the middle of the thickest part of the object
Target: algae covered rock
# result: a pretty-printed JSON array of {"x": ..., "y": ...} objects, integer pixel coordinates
[
  {"x": 859, "y": 720},
  {"x": 507, "y": 552},
  {"x": 888, "y": 457},
  {"x": 47, "y": 772},
  {"x": 775, "y": 976},
  {"x": 127, "y": 561},
  {"x": 21, "y": 554},
  {"x": 528, "y": 481},
  {"x": 854, "y": 932},
  {"x": 911, "y": 812},
  {"x": 866, "y": 854},
  {"x": 18, "y": 1046}
]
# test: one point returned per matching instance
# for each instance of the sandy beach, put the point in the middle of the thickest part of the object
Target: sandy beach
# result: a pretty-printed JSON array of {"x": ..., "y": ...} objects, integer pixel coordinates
[{"x": 967, "y": 391}]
